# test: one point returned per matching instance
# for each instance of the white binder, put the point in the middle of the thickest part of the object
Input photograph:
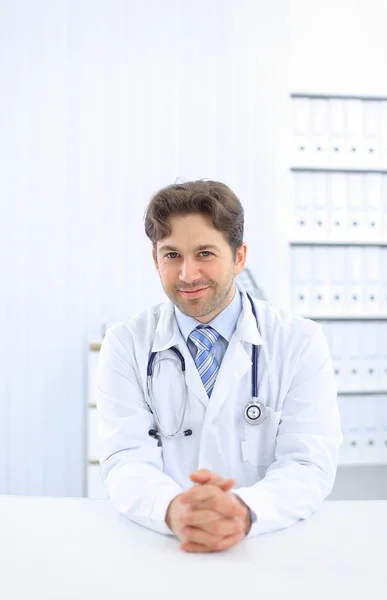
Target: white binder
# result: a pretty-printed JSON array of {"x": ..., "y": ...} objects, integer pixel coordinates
[
  {"x": 302, "y": 130},
  {"x": 382, "y": 354},
  {"x": 302, "y": 205},
  {"x": 301, "y": 284},
  {"x": 320, "y": 223},
  {"x": 320, "y": 129},
  {"x": 354, "y": 281},
  {"x": 371, "y": 129},
  {"x": 353, "y": 141},
  {"x": 353, "y": 356},
  {"x": 372, "y": 183},
  {"x": 337, "y": 130},
  {"x": 338, "y": 228},
  {"x": 370, "y": 429},
  {"x": 338, "y": 274},
  {"x": 383, "y": 132},
  {"x": 336, "y": 343},
  {"x": 382, "y": 418},
  {"x": 355, "y": 208},
  {"x": 350, "y": 452},
  {"x": 371, "y": 280},
  {"x": 383, "y": 281},
  {"x": 320, "y": 293},
  {"x": 370, "y": 375}
]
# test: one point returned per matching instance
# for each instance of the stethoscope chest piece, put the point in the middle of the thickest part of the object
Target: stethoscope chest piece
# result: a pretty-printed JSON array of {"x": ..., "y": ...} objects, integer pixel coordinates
[{"x": 255, "y": 413}]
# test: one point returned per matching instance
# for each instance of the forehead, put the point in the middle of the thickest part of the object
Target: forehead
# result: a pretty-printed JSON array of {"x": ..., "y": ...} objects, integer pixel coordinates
[{"x": 193, "y": 231}]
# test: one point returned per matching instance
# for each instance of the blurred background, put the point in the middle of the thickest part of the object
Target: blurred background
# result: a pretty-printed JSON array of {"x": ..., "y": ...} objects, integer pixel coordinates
[{"x": 104, "y": 102}]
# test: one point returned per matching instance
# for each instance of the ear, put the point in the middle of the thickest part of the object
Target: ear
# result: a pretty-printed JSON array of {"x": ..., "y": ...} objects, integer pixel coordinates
[
  {"x": 154, "y": 256},
  {"x": 240, "y": 259}
]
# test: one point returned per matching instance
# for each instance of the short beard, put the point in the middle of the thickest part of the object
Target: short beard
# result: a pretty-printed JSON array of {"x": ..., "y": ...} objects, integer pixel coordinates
[{"x": 218, "y": 299}]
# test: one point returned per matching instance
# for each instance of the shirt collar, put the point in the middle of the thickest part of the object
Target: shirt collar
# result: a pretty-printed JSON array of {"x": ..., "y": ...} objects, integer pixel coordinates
[{"x": 224, "y": 323}]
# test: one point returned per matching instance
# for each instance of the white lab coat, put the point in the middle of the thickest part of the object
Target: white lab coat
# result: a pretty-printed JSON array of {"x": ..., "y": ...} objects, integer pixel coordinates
[{"x": 284, "y": 468}]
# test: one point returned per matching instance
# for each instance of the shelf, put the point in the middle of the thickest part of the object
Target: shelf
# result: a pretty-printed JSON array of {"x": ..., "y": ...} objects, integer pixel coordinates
[
  {"x": 345, "y": 317},
  {"x": 363, "y": 393},
  {"x": 310, "y": 169},
  {"x": 316, "y": 96},
  {"x": 380, "y": 244}
]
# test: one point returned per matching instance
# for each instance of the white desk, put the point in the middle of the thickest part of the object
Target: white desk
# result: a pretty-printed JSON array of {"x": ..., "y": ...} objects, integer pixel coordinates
[{"x": 81, "y": 549}]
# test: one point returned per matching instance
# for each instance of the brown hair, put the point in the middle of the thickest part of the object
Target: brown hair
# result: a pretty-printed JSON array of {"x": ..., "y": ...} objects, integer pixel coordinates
[{"x": 210, "y": 198}]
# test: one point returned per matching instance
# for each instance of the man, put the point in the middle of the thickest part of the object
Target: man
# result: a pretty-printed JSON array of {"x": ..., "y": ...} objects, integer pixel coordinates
[{"x": 176, "y": 383}]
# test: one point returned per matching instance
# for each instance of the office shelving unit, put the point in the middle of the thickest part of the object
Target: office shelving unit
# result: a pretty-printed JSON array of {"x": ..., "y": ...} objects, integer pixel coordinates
[
  {"x": 339, "y": 171},
  {"x": 94, "y": 485}
]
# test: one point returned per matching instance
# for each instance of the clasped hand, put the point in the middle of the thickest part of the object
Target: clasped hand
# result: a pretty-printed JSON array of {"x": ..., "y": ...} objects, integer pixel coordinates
[{"x": 208, "y": 517}]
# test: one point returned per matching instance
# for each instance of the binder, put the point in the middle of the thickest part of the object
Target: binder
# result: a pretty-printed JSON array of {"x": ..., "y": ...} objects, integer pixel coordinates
[
  {"x": 338, "y": 228},
  {"x": 320, "y": 293},
  {"x": 383, "y": 282},
  {"x": 301, "y": 273},
  {"x": 303, "y": 206},
  {"x": 302, "y": 129},
  {"x": 372, "y": 189},
  {"x": 350, "y": 452},
  {"x": 336, "y": 343},
  {"x": 382, "y": 418},
  {"x": 355, "y": 211},
  {"x": 320, "y": 223},
  {"x": 336, "y": 129},
  {"x": 370, "y": 374},
  {"x": 371, "y": 128},
  {"x": 354, "y": 131},
  {"x": 371, "y": 280},
  {"x": 382, "y": 354},
  {"x": 384, "y": 206},
  {"x": 354, "y": 281},
  {"x": 370, "y": 429},
  {"x": 320, "y": 129},
  {"x": 383, "y": 132},
  {"x": 338, "y": 274},
  {"x": 352, "y": 357}
]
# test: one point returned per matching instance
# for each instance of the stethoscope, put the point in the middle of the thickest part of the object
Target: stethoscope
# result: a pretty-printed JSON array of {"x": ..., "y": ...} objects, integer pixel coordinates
[{"x": 254, "y": 413}]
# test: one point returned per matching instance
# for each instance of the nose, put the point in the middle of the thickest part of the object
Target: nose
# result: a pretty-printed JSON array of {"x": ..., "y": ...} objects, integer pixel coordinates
[{"x": 189, "y": 271}]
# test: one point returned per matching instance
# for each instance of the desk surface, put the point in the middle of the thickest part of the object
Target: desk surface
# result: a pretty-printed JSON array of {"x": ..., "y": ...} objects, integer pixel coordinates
[{"x": 81, "y": 549}]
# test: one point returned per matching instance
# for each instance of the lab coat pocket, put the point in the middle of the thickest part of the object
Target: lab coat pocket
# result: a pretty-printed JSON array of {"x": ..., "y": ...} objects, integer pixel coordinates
[{"x": 258, "y": 447}]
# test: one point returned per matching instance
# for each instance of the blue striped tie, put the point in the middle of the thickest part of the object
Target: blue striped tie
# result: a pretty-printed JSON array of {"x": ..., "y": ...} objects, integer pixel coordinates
[{"x": 204, "y": 338}]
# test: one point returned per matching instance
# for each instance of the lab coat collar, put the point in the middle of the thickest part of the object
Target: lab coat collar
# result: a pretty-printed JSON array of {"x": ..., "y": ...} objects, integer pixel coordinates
[
  {"x": 167, "y": 332},
  {"x": 247, "y": 330}
]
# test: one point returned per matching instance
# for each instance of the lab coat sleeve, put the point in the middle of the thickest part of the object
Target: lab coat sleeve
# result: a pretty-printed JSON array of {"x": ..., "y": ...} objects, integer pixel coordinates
[
  {"x": 307, "y": 445},
  {"x": 131, "y": 461}
]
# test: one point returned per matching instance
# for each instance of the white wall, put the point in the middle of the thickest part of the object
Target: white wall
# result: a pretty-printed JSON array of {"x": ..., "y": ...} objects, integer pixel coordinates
[
  {"x": 338, "y": 46},
  {"x": 101, "y": 103}
]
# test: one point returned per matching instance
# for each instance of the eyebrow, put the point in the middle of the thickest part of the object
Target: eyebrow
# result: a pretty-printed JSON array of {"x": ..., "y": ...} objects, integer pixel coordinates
[{"x": 168, "y": 248}]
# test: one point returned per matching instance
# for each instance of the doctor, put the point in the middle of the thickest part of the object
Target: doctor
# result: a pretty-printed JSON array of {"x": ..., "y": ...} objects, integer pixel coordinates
[{"x": 214, "y": 388}]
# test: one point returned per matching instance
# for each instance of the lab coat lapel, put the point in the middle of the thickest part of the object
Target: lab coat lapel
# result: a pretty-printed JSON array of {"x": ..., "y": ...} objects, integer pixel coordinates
[
  {"x": 235, "y": 365},
  {"x": 168, "y": 334},
  {"x": 237, "y": 359}
]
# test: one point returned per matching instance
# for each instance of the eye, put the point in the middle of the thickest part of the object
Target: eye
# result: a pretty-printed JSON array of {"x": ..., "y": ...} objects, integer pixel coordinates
[
  {"x": 206, "y": 253},
  {"x": 171, "y": 255}
]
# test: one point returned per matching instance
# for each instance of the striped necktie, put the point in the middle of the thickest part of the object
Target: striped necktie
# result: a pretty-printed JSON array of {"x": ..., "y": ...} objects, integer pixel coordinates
[{"x": 204, "y": 338}]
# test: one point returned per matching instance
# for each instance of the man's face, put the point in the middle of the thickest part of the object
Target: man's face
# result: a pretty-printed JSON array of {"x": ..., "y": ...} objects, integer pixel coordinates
[{"x": 197, "y": 267}]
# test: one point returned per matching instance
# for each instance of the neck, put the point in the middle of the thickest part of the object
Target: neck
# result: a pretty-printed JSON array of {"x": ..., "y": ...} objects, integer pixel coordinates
[{"x": 225, "y": 302}]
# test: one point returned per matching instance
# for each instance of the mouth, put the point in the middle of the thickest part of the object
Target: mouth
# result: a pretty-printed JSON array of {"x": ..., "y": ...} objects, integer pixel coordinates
[{"x": 193, "y": 293}]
